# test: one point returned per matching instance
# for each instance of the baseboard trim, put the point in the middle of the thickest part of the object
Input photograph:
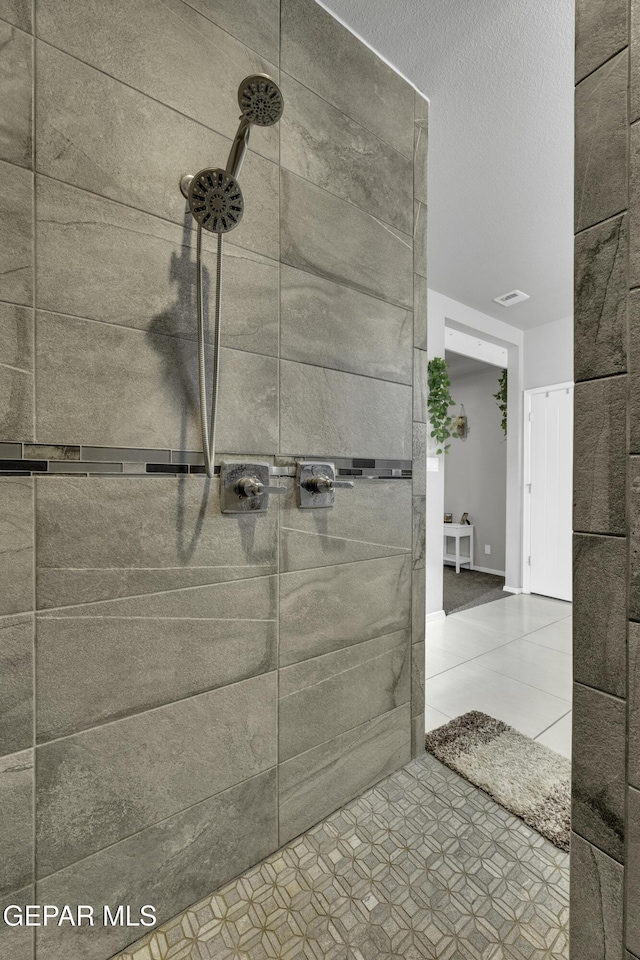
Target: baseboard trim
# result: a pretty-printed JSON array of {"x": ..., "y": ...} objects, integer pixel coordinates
[
  {"x": 438, "y": 615},
  {"x": 513, "y": 589},
  {"x": 496, "y": 573}
]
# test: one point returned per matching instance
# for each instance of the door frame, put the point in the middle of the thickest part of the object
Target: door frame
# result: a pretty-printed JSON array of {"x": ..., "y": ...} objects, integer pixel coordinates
[{"x": 526, "y": 475}]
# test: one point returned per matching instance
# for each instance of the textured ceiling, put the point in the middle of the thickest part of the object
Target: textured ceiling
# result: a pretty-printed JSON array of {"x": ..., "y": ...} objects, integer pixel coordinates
[{"x": 499, "y": 74}]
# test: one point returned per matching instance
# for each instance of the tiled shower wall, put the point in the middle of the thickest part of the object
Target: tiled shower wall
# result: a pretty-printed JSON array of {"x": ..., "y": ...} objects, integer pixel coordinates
[
  {"x": 605, "y": 850},
  {"x": 181, "y": 691}
]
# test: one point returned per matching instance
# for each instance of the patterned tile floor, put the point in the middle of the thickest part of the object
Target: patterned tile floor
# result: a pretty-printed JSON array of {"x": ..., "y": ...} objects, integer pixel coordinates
[{"x": 423, "y": 865}]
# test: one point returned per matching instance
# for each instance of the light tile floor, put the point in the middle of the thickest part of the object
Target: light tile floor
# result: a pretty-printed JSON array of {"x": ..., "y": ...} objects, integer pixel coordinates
[
  {"x": 424, "y": 866},
  {"x": 510, "y": 659}
]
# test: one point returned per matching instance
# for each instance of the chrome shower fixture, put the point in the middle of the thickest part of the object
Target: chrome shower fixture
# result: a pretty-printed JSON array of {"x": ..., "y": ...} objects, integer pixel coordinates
[
  {"x": 216, "y": 204},
  {"x": 214, "y": 195},
  {"x": 260, "y": 100},
  {"x": 215, "y": 200}
]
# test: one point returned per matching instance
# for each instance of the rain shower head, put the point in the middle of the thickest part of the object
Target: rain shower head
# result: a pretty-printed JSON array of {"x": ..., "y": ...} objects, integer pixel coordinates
[{"x": 260, "y": 100}]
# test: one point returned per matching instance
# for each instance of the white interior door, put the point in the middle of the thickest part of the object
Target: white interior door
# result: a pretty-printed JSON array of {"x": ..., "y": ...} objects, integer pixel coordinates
[{"x": 548, "y": 494}]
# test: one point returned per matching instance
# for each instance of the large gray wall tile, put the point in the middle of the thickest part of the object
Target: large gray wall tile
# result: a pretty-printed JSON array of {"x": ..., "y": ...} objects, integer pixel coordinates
[
  {"x": 333, "y": 325},
  {"x": 372, "y": 520},
  {"x": 315, "y": 783},
  {"x": 254, "y": 598},
  {"x": 417, "y": 678},
  {"x": 420, "y": 238},
  {"x": 172, "y": 865},
  {"x": 419, "y": 311},
  {"x": 134, "y": 149},
  {"x": 419, "y": 452},
  {"x": 254, "y": 22},
  {"x": 16, "y": 232},
  {"x": 596, "y": 908},
  {"x": 600, "y": 612},
  {"x": 634, "y": 206},
  {"x": 634, "y": 546},
  {"x": 17, "y": 943},
  {"x": 16, "y": 364},
  {"x": 348, "y": 74},
  {"x": 16, "y": 540},
  {"x": 598, "y": 769},
  {"x": 165, "y": 49},
  {"x": 87, "y": 668},
  {"x": 18, "y": 12},
  {"x": 600, "y": 469},
  {"x": 634, "y": 704},
  {"x": 16, "y": 836},
  {"x": 420, "y": 386},
  {"x": 327, "y": 609},
  {"x": 117, "y": 537},
  {"x": 634, "y": 43},
  {"x": 144, "y": 391},
  {"x": 634, "y": 371},
  {"x": 633, "y": 872},
  {"x": 356, "y": 417},
  {"x": 419, "y": 532},
  {"x": 98, "y": 787},
  {"x": 420, "y": 155},
  {"x": 601, "y": 31},
  {"x": 16, "y": 70},
  {"x": 330, "y": 237},
  {"x": 84, "y": 242},
  {"x": 328, "y": 695},
  {"x": 601, "y": 300},
  {"x": 16, "y": 683},
  {"x": 418, "y": 604},
  {"x": 601, "y": 144},
  {"x": 322, "y": 144}
]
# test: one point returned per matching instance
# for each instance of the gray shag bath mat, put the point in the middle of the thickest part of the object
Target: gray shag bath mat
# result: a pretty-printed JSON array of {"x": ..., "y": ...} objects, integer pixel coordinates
[{"x": 528, "y": 779}]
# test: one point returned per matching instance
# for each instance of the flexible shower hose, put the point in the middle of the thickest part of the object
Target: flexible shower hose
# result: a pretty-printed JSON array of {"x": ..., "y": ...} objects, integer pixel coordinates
[{"x": 208, "y": 425}]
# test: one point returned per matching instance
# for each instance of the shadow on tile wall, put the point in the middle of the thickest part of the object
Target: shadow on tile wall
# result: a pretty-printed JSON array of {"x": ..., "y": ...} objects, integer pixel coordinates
[{"x": 207, "y": 687}]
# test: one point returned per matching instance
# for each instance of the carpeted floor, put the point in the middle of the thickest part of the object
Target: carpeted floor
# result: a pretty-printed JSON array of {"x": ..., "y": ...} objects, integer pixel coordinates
[
  {"x": 526, "y": 778},
  {"x": 469, "y": 588}
]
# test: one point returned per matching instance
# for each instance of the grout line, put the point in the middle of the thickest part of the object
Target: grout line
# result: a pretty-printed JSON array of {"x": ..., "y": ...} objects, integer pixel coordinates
[
  {"x": 34, "y": 254},
  {"x": 553, "y": 724},
  {"x": 599, "y": 223},
  {"x": 620, "y": 50}
]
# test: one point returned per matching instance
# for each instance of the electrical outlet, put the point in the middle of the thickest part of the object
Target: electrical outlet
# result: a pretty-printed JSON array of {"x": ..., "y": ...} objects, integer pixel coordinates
[{"x": 487, "y": 548}]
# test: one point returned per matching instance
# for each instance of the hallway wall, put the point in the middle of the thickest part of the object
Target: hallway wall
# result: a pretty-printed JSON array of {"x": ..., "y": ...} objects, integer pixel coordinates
[
  {"x": 605, "y": 849},
  {"x": 181, "y": 691},
  {"x": 475, "y": 469}
]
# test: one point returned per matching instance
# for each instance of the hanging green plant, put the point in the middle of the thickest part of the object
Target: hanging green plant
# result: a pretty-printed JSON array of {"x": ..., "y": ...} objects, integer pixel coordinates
[
  {"x": 440, "y": 400},
  {"x": 501, "y": 398}
]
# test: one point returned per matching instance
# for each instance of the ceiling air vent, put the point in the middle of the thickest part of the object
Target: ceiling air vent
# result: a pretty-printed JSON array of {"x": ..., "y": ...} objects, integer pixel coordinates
[{"x": 508, "y": 299}]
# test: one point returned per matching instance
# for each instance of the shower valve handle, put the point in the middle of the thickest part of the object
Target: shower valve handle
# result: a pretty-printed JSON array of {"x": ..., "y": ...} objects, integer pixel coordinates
[
  {"x": 251, "y": 487},
  {"x": 323, "y": 484}
]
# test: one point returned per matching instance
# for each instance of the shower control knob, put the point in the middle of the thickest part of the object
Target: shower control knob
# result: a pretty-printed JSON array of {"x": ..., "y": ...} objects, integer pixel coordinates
[
  {"x": 316, "y": 484},
  {"x": 245, "y": 487},
  {"x": 324, "y": 484},
  {"x": 252, "y": 487}
]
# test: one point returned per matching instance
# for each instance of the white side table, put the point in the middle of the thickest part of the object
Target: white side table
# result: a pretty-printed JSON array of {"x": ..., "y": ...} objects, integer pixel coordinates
[{"x": 456, "y": 531}]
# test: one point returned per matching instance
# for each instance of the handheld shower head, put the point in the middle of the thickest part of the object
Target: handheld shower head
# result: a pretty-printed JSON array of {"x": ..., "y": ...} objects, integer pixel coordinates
[
  {"x": 262, "y": 103},
  {"x": 260, "y": 100}
]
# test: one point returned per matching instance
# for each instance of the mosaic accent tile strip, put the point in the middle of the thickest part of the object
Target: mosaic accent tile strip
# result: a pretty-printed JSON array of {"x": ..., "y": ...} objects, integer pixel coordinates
[
  {"x": 25, "y": 459},
  {"x": 424, "y": 865}
]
